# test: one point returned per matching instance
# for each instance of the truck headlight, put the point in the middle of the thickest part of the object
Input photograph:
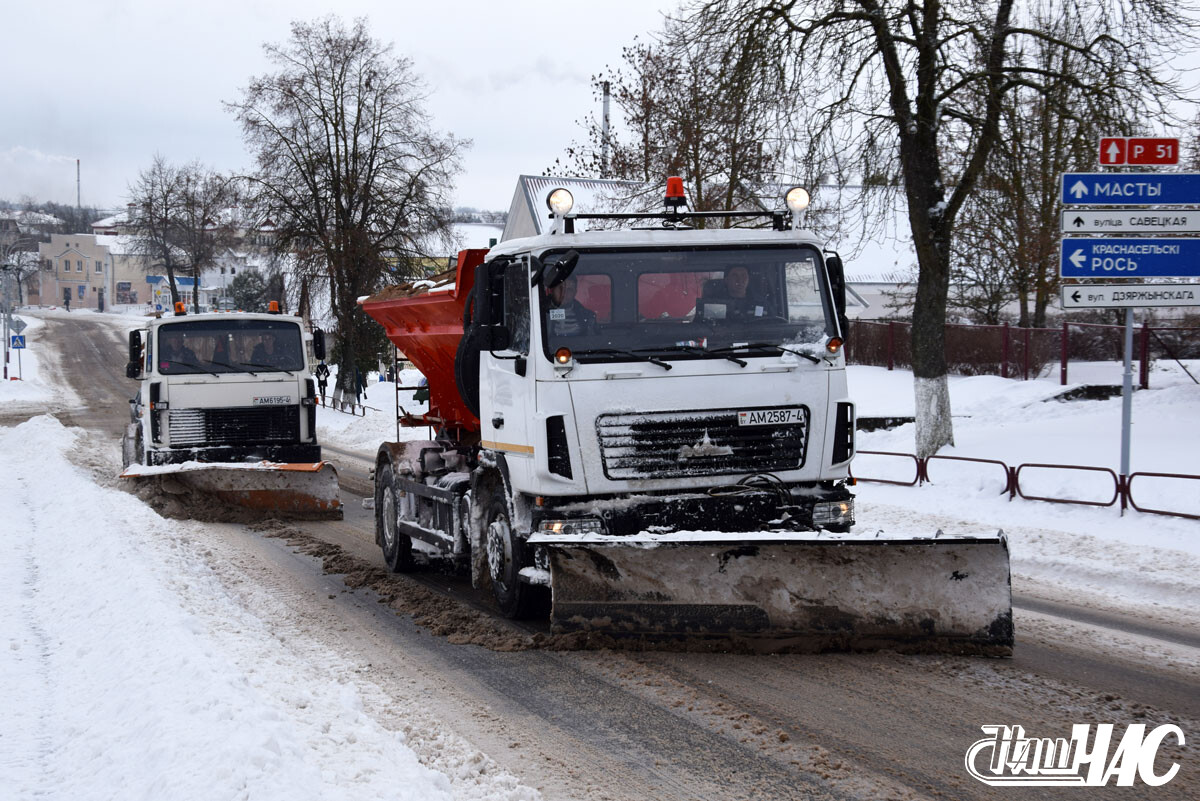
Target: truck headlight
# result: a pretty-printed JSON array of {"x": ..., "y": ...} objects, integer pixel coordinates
[
  {"x": 833, "y": 513},
  {"x": 580, "y": 526}
]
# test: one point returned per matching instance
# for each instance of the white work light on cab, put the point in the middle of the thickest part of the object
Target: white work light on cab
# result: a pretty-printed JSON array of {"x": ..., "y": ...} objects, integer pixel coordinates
[
  {"x": 560, "y": 202},
  {"x": 797, "y": 200}
]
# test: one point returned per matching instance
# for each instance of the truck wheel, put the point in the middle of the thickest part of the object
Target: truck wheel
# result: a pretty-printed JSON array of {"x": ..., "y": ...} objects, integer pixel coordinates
[
  {"x": 131, "y": 446},
  {"x": 466, "y": 369},
  {"x": 505, "y": 552},
  {"x": 397, "y": 547}
]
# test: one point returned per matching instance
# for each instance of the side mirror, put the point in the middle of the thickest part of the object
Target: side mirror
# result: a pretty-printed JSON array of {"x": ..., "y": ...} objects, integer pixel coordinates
[
  {"x": 134, "y": 368},
  {"x": 561, "y": 270},
  {"x": 837, "y": 284},
  {"x": 319, "y": 344}
]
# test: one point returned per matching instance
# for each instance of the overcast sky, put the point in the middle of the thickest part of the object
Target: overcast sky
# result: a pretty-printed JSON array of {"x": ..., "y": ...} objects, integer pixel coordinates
[{"x": 112, "y": 82}]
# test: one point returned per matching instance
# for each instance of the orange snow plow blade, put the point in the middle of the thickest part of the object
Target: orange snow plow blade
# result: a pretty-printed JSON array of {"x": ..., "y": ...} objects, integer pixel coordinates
[
  {"x": 790, "y": 591},
  {"x": 298, "y": 490}
]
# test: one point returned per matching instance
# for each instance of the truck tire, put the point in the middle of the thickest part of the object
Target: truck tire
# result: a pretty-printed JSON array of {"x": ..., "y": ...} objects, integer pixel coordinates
[
  {"x": 131, "y": 446},
  {"x": 505, "y": 557},
  {"x": 466, "y": 369},
  {"x": 397, "y": 546}
]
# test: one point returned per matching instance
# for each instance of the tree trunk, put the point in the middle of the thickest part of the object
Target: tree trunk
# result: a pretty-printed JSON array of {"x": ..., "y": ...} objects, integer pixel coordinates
[
  {"x": 174, "y": 288},
  {"x": 933, "y": 425}
]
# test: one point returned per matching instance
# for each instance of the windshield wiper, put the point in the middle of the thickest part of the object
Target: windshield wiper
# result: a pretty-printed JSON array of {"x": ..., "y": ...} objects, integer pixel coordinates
[
  {"x": 701, "y": 351},
  {"x": 235, "y": 367},
  {"x": 200, "y": 367},
  {"x": 639, "y": 356},
  {"x": 269, "y": 367},
  {"x": 767, "y": 346}
]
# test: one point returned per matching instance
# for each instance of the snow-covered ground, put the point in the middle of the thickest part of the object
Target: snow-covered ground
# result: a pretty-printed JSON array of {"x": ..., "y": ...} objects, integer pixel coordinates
[{"x": 28, "y": 382}]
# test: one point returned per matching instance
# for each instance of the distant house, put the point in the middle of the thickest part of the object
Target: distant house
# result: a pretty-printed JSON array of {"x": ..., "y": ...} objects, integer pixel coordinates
[
  {"x": 29, "y": 224},
  {"x": 116, "y": 225},
  {"x": 73, "y": 265},
  {"x": 158, "y": 292}
]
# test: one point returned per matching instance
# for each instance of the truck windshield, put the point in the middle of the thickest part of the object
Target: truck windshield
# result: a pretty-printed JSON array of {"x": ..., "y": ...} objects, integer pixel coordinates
[
  {"x": 229, "y": 346},
  {"x": 683, "y": 304}
]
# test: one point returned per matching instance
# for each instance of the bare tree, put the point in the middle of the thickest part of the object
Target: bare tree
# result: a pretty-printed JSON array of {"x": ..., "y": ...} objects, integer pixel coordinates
[
  {"x": 204, "y": 224},
  {"x": 917, "y": 89},
  {"x": 180, "y": 218},
  {"x": 19, "y": 259},
  {"x": 348, "y": 167},
  {"x": 688, "y": 113},
  {"x": 1008, "y": 247},
  {"x": 156, "y": 199}
]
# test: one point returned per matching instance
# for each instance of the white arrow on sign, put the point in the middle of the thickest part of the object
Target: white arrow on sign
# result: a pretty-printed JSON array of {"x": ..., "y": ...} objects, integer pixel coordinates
[
  {"x": 1079, "y": 189},
  {"x": 1113, "y": 151},
  {"x": 1078, "y": 259}
]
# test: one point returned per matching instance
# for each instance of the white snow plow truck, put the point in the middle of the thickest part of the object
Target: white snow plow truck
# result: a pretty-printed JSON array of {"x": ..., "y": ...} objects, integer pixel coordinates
[
  {"x": 653, "y": 425},
  {"x": 227, "y": 407}
]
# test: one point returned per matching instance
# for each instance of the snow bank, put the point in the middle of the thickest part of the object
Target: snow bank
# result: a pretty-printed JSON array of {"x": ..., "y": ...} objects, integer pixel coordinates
[
  {"x": 131, "y": 673},
  {"x": 34, "y": 386},
  {"x": 1135, "y": 560},
  {"x": 363, "y": 434}
]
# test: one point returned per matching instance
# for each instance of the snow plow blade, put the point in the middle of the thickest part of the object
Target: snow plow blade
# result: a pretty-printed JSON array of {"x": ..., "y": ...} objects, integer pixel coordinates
[
  {"x": 296, "y": 490},
  {"x": 794, "y": 591}
]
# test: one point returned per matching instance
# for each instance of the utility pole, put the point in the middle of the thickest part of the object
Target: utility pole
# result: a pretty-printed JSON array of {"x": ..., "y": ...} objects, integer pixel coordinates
[{"x": 604, "y": 132}]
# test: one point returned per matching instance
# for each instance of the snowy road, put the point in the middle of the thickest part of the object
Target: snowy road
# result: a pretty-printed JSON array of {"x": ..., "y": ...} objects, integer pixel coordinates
[{"x": 608, "y": 725}]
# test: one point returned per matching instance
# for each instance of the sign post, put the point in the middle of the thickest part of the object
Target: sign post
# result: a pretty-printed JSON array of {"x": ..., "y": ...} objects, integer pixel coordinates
[
  {"x": 1129, "y": 296},
  {"x": 1121, "y": 151},
  {"x": 1129, "y": 257},
  {"x": 1170, "y": 221},
  {"x": 1124, "y": 257},
  {"x": 1130, "y": 188},
  {"x": 18, "y": 344}
]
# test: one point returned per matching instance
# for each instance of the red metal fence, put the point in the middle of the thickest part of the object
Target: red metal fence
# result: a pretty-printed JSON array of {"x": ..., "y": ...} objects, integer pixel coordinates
[
  {"x": 1012, "y": 352},
  {"x": 1121, "y": 486}
]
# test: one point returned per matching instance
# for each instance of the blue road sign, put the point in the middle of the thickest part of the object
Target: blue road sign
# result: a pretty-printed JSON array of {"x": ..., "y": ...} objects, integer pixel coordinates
[
  {"x": 18, "y": 341},
  {"x": 1130, "y": 189},
  {"x": 1129, "y": 257}
]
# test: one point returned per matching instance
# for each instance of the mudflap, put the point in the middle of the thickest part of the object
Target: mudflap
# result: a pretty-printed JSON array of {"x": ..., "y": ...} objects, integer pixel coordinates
[
  {"x": 294, "y": 490},
  {"x": 810, "y": 591}
]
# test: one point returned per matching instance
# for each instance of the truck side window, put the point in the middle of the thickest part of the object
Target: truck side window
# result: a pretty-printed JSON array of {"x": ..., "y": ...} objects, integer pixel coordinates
[{"x": 516, "y": 306}]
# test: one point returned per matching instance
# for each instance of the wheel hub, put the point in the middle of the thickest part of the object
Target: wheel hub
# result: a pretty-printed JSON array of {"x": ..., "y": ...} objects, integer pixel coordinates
[
  {"x": 389, "y": 519},
  {"x": 499, "y": 549}
]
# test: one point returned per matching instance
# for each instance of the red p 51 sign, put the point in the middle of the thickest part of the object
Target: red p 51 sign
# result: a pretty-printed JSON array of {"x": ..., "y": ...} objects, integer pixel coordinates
[{"x": 1119, "y": 151}]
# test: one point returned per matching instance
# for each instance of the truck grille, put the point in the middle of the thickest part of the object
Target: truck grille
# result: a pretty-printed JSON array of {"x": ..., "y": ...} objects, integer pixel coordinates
[
  {"x": 238, "y": 426},
  {"x": 692, "y": 443}
]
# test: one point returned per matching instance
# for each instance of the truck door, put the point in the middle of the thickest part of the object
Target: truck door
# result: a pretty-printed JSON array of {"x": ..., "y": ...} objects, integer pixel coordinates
[{"x": 506, "y": 388}]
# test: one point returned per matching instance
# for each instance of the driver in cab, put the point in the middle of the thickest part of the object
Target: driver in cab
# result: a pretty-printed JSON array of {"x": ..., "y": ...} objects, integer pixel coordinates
[
  {"x": 566, "y": 315},
  {"x": 268, "y": 353},
  {"x": 734, "y": 289}
]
